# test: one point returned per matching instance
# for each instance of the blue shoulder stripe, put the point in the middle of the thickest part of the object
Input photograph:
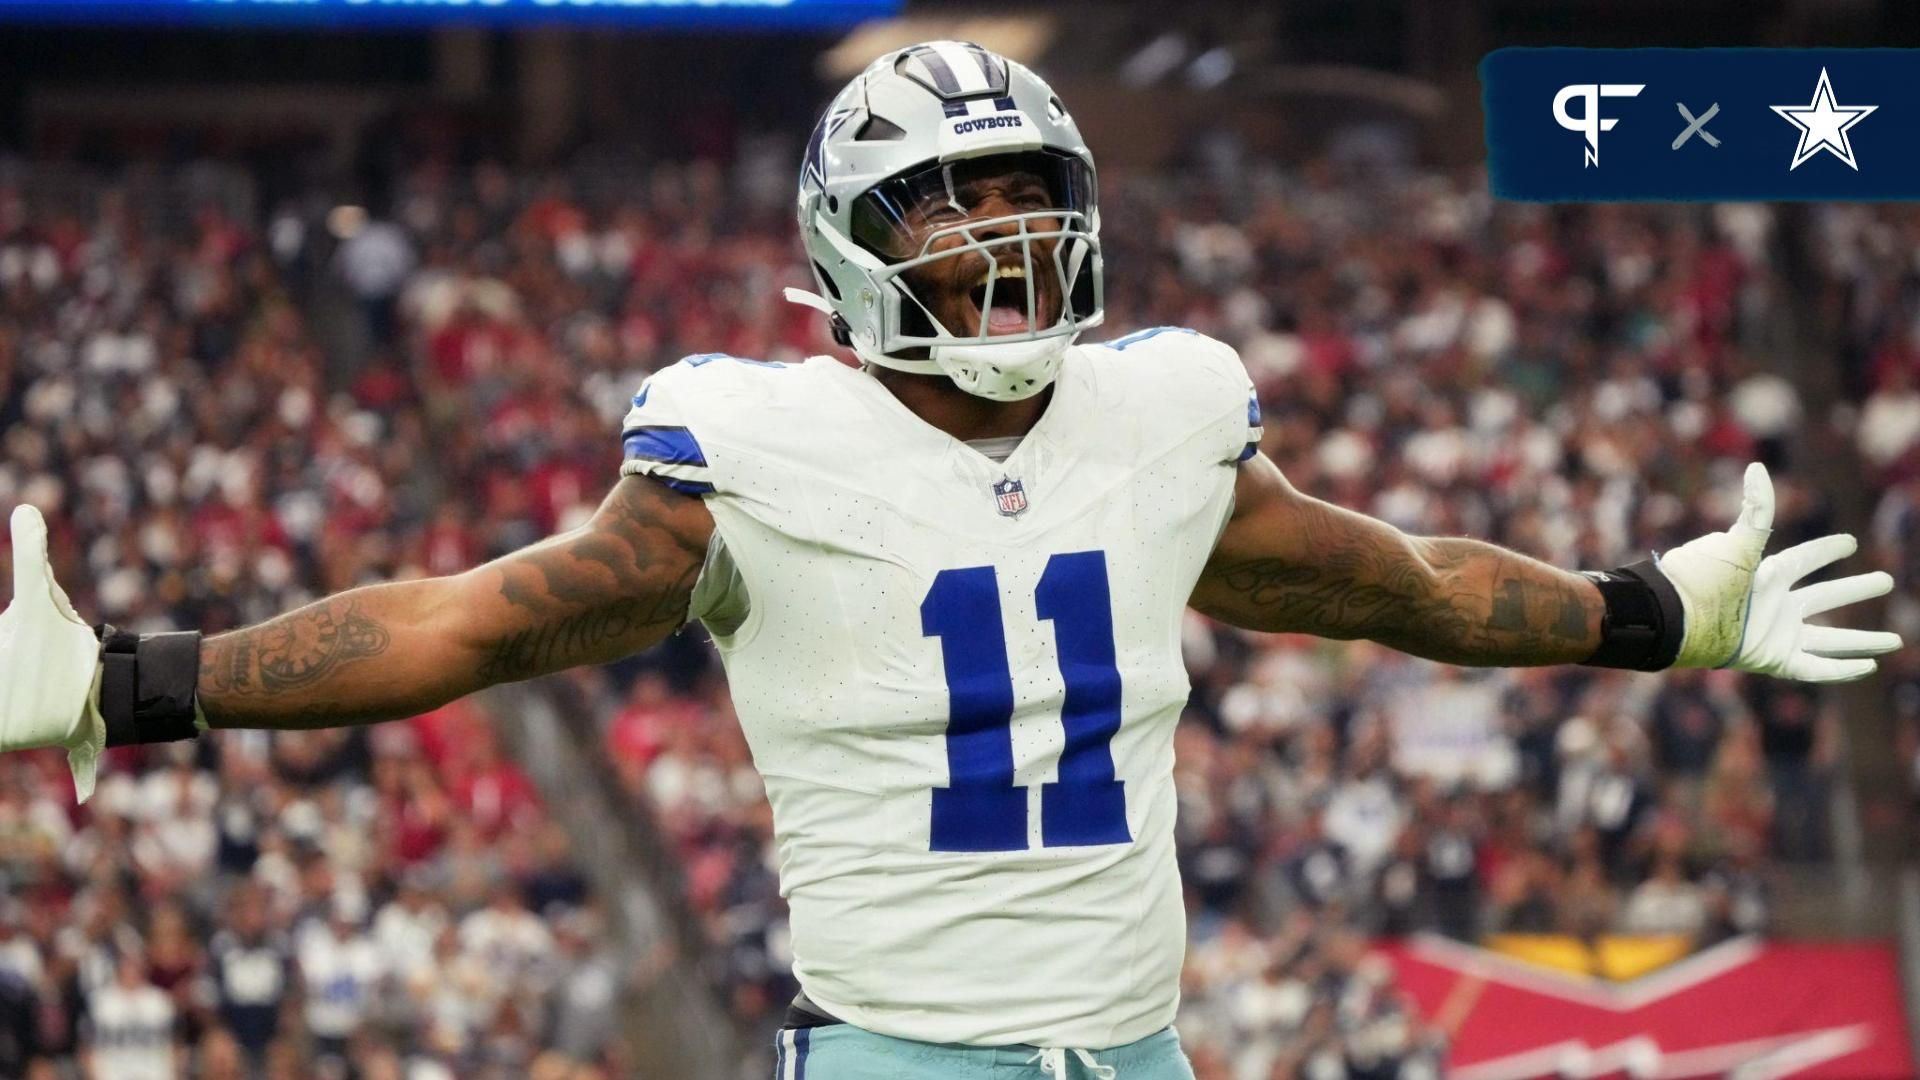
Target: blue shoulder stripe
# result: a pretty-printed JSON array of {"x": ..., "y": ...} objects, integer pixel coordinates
[
  {"x": 1139, "y": 336},
  {"x": 667, "y": 445},
  {"x": 1253, "y": 412}
]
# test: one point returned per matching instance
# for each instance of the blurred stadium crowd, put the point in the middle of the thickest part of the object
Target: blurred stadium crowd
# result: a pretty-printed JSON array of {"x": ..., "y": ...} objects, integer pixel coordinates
[{"x": 1580, "y": 384}]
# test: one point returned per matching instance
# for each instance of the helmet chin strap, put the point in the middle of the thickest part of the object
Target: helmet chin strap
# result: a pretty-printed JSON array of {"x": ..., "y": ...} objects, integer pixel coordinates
[
  {"x": 911, "y": 367},
  {"x": 958, "y": 361},
  {"x": 1003, "y": 371},
  {"x": 808, "y": 299}
]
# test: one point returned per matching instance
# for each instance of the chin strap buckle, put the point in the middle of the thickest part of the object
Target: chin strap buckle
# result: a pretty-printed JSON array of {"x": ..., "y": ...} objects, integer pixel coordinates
[{"x": 842, "y": 333}]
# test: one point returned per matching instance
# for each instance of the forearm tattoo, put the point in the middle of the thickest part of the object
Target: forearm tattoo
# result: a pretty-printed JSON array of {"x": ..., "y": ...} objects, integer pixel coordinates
[
  {"x": 1536, "y": 614},
  {"x": 620, "y": 583},
  {"x": 295, "y": 650},
  {"x": 1461, "y": 601},
  {"x": 1348, "y": 594},
  {"x": 1519, "y": 605}
]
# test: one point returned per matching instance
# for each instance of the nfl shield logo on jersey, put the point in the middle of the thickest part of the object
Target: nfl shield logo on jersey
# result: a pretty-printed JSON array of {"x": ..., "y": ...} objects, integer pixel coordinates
[{"x": 1011, "y": 495}]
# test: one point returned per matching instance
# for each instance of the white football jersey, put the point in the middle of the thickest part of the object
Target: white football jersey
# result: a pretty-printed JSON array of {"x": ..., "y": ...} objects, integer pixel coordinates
[
  {"x": 960, "y": 678},
  {"x": 132, "y": 1033}
]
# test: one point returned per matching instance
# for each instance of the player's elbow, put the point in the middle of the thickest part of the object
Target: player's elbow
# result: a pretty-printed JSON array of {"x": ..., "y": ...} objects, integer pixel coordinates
[
  {"x": 1430, "y": 568},
  {"x": 460, "y": 610},
  {"x": 442, "y": 621}
]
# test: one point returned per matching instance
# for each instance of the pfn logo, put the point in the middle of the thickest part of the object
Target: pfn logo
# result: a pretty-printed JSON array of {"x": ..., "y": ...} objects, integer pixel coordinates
[{"x": 1589, "y": 122}]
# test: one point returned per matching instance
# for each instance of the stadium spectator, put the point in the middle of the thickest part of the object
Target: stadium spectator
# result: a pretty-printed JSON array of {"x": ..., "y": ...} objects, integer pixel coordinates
[
  {"x": 252, "y": 975},
  {"x": 342, "y": 969},
  {"x": 1422, "y": 353},
  {"x": 130, "y": 1027}
]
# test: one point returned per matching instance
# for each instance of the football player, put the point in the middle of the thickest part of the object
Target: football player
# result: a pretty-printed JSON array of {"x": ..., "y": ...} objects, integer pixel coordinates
[{"x": 947, "y": 586}]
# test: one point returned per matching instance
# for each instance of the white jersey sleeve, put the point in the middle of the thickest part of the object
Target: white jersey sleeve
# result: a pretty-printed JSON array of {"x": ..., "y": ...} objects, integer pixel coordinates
[
  {"x": 691, "y": 427},
  {"x": 678, "y": 428},
  {"x": 1200, "y": 387}
]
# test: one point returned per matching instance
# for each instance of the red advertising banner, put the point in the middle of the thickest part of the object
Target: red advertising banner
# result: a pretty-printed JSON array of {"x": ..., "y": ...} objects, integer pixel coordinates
[{"x": 1746, "y": 1008}]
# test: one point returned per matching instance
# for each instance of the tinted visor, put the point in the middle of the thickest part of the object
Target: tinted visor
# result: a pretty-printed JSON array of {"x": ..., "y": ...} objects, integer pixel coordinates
[{"x": 891, "y": 219}]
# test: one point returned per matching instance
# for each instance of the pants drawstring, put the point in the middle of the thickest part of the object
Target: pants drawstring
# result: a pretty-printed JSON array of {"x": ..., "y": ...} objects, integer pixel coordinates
[{"x": 1053, "y": 1062}]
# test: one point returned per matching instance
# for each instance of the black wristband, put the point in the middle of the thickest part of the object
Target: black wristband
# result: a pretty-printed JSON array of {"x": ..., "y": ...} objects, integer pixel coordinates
[
  {"x": 147, "y": 683},
  {"x": 1644, "y": 623}
]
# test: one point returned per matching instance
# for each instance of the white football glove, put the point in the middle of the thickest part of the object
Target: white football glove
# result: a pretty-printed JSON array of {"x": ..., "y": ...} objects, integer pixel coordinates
[
  {"x": 49, "y": 662},
  {"x": 1742, "y": 611}
]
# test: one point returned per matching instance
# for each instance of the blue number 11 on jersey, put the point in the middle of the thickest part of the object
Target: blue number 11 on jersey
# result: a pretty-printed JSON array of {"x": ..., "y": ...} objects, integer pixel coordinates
[{"x": 981, "y": 809}]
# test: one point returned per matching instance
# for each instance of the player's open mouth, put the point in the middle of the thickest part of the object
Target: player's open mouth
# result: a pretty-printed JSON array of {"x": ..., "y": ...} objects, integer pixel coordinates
[{"x": 1009, "y": 312}]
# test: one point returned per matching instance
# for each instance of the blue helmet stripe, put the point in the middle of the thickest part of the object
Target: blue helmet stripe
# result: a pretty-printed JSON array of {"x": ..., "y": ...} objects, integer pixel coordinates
[
  {"x": 937, "y": 69},
  {"x": 996, "y": 79}
]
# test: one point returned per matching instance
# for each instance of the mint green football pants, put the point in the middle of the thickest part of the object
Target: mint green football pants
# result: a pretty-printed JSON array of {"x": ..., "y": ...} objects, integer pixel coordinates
[{"x": 845, "y": 1052}]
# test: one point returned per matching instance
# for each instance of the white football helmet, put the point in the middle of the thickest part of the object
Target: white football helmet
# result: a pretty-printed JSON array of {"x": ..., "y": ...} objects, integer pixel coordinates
[{"x": 904, "y": 134}]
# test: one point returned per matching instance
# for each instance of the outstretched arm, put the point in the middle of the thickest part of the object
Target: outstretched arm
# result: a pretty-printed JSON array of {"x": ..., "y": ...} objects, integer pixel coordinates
[
  {"x": 1287, "y": 562},
  {"x": 1292, "y": 563},
  {"x": 617, "y": 584}
]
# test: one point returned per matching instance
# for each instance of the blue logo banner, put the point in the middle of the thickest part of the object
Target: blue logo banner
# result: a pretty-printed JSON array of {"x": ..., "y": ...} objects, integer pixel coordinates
[
  {"x": 1591, "y": 125},
  {"x": 664, "y": 14}
]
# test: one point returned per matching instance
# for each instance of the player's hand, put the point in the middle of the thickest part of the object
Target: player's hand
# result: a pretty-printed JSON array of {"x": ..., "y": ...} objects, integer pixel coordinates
[
  {"x": 49, "y": 662},
  {"x": 1743, "y": 612}
]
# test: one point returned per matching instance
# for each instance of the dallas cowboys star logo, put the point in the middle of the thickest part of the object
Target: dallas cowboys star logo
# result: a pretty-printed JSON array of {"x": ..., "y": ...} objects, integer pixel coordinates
[{"x": 1823, "y": 125}]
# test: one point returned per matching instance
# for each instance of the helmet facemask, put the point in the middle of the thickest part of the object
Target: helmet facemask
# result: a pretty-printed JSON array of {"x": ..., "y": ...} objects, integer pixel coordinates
[
  {"x": 1039, "y": 280},
  {"x": 898, "y": 177}
]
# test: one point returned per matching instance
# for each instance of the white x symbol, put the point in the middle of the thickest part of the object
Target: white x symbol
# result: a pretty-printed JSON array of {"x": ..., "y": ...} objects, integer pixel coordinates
[{"x": 1696, "y": 127}]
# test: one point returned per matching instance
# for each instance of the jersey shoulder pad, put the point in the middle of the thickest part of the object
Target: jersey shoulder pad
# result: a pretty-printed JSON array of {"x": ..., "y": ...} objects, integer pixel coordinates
[
  {"x": 687, "y": 414},
  {"x": 1202, "y": 379}
]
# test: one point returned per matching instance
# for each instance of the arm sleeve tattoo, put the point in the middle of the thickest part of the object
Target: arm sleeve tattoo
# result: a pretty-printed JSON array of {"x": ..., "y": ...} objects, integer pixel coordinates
[
  {"x": 1294, "y": 564},
  {"x": 617, "y": 584}
]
